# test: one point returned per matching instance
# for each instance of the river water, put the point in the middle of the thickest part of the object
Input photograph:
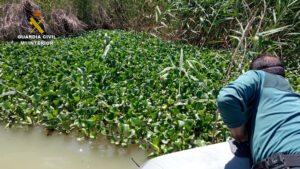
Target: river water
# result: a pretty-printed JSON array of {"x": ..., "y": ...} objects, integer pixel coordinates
[{"x": 33, "y": 149}]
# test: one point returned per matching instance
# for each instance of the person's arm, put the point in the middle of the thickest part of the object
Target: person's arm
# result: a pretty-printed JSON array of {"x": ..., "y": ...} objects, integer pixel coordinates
[
  {"x": 240, "y": 134},
  {"x": 234, "y": 99}
]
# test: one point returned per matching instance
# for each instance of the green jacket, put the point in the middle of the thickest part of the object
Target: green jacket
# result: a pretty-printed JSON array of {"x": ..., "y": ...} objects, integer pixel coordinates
[{"x": 266, "y": 102}]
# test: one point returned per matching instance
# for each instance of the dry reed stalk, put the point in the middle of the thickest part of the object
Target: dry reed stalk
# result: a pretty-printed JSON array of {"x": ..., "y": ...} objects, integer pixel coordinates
[{"x": 65, "y": 23}]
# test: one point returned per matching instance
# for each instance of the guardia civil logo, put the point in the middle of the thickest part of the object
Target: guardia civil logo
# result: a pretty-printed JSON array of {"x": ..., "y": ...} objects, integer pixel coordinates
[
  {"x": 37, "y": 35},
  {"x": 36, "y": 24}
]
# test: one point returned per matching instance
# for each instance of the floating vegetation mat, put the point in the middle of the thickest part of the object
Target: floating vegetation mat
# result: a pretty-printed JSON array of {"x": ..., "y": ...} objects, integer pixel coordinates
[{"x": 131, "y": 87}]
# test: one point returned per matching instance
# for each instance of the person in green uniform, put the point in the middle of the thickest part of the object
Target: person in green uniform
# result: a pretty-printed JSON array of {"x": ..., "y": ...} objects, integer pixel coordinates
[{"x": 260, "y": 108}]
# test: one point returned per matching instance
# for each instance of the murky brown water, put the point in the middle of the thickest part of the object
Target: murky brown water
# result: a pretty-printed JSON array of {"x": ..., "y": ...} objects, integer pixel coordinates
[{"x": 33, "y": 149}]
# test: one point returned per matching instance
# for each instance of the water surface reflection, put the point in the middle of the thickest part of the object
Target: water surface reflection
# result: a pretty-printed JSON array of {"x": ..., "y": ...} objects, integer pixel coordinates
[{"x": 33, "y": 149}]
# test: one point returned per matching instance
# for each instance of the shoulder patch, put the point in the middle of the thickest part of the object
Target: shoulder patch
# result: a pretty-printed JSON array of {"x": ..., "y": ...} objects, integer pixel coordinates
[{"x": 277, "y": 82}]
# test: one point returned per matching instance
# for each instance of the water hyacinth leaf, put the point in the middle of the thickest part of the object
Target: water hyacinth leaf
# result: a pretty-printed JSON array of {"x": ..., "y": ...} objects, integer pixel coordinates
[
  {"x": 136, "y": 122},
  {"x": 155, "y": 143},
  {"x": 76, "y": 98},
  {"x": 29, "y": 119}
]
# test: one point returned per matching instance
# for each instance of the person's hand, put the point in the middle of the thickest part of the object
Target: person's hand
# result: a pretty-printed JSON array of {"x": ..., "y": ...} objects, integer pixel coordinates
[{"x": 240, "y": 134}]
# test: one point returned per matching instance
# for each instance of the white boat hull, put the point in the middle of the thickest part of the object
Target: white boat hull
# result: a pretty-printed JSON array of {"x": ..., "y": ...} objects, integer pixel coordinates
[{"x": 216, "y": 156}]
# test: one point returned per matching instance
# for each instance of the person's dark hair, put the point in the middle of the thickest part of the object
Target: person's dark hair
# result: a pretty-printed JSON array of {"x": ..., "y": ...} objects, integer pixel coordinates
[{"x": 268, "y": 63}]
